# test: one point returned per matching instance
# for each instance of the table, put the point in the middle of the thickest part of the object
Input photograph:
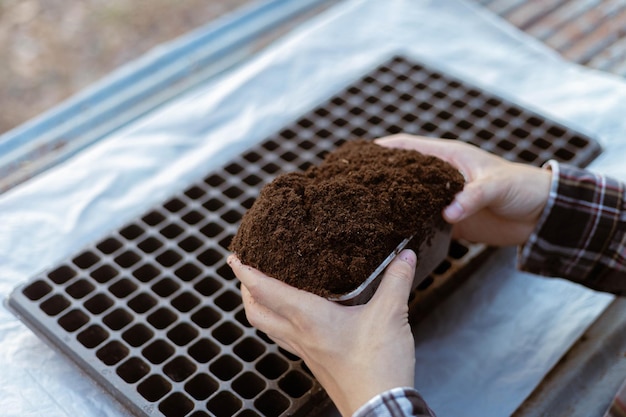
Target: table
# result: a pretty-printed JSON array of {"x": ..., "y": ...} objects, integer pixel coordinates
[
  {"x": 593, "y": 34},
  {"x": 562, "y": 383}
]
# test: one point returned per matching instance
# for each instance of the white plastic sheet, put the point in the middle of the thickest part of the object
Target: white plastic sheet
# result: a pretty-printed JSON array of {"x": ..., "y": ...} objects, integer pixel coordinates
[{"x": 480, "y": 353}]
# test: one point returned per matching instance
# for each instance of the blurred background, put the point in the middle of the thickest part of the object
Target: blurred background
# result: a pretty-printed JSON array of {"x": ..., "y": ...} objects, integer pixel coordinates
[{"x": 51, "y": 49}]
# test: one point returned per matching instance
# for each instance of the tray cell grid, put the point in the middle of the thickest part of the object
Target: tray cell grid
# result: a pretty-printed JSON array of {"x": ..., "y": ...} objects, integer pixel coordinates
[{"x": 156, "y": 305}]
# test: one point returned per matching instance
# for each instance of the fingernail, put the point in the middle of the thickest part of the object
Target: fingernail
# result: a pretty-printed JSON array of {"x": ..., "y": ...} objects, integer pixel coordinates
[
  {"x": 454, "y": 211},
  {"x": 408, "y": 256}
]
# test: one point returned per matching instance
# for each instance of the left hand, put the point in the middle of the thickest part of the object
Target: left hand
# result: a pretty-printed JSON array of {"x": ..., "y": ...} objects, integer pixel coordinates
[
  {"x": 355, "y": 352},
  {"x": 502, "y": 201}
]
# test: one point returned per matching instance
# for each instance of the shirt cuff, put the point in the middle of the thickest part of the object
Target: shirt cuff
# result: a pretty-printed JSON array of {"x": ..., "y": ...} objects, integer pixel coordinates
[
  {"x": 403, "y": 401},
  {"x": 528, "y": 258},
  {"x": 578, "y": 236}
]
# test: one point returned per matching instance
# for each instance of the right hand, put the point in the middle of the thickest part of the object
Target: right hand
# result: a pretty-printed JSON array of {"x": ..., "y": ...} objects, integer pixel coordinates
[
  {"x": 355, "y": 352},
  {"x": 501, "y": 202}
]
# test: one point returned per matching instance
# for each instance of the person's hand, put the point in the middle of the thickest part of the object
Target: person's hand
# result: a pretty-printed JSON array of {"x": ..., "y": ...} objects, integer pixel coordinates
[
  {"x": 501, "y": 202},
  {"x": 355, "y": 352}
]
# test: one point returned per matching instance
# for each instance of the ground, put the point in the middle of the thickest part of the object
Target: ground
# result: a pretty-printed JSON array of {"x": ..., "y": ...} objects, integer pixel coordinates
[{"x": 51, "y": 49}]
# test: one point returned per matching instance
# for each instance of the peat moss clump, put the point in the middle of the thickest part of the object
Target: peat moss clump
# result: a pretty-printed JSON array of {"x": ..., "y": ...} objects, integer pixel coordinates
[{"x": 326, "y": 230}]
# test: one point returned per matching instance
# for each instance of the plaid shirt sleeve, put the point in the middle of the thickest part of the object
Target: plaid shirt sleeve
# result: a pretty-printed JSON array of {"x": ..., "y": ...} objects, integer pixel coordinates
[
  {"x": 397, "y": 402},
  {"x": 581, "y": 235}
]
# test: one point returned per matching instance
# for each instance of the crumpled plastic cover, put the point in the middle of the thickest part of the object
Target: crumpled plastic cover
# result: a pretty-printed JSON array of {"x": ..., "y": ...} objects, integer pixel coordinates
[{"x": 481, "y": 352}]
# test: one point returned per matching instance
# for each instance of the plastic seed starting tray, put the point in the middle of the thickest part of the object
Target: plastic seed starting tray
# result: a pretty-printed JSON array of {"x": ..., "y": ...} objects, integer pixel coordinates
[{"x": 153, "y": 313}]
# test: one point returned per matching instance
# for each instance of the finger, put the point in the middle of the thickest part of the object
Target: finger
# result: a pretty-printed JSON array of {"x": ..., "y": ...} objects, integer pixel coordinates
[
  {"x": 474, "y": 197},
  {"x": 266, "y": 321},
  {"x": 280, "y": 298},
  {"x": 257, "y": 314},
  {"x": 446, "y": 149},
  {"x": 264, "y": 318},
  {"x": 429, "y": 146},
  {"x": 397, "y": 279},
  {"x": 244, "y": 273}
]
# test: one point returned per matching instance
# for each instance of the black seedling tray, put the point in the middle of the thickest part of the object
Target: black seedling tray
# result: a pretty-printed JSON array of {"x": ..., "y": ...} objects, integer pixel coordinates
[{"x": 153, "y": 313}]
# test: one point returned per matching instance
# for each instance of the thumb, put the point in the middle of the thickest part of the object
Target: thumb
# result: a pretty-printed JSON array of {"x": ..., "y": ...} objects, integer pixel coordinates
[
  {"x": 398, "y": 278},
  {"x": 475, "y": 196}
]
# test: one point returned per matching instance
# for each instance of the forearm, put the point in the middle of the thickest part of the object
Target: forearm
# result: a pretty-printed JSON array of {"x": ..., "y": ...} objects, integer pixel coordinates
[
  {"x": 397, "y": 402},
  {"x": 581, "y": 235}
]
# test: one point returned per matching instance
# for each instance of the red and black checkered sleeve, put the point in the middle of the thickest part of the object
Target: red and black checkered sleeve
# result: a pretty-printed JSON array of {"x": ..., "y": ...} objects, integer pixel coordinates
[
  {"x": 397, "y": 402},
  {"x": 581, "y": 235}
]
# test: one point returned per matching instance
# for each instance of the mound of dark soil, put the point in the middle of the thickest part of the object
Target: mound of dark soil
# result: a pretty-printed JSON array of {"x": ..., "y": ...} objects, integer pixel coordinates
[{"x": 326, "y": 230}]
